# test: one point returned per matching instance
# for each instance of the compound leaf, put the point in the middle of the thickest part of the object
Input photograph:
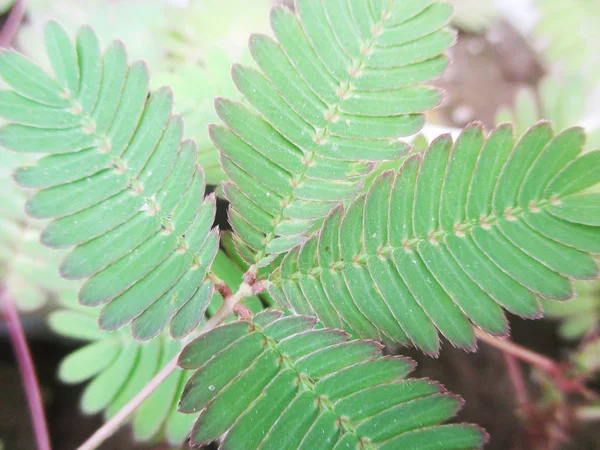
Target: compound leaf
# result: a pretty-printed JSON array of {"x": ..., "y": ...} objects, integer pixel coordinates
[
  {"x": 455, "y": 236},
  {"x": 282, "y": 383},
  {"x": 341, "y": 82},
  {"x": 119, "y": 185},
  {"x": 117, "y": 367}
]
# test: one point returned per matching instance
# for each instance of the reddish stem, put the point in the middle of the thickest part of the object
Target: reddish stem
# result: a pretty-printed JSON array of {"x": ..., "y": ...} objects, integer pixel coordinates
[
  {"x": 535, "y": 359},
  {"x": 559, "y": 374},
  {"x": 27, "y": 370},
  {"x": 516, "y": 377},
  {"x": 12, "y": 23}
]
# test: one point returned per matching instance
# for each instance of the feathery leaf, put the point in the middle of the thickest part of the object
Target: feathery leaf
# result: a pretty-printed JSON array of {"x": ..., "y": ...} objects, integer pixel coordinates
[
  {"x": 119, "y": 184},
  {"x": 336, "y": 89},
  {"x": 284, "y": 383},
  {"x": 117, "y": 368},
  {"x": 454, "y": 236}
]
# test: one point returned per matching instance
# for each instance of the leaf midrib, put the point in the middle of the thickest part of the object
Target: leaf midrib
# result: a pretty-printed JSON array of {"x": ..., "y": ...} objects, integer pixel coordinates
[
  {"x": 461, "y": 229},
  {"x": 332, "y": 114},
  {"x": 345, "y": 425}
]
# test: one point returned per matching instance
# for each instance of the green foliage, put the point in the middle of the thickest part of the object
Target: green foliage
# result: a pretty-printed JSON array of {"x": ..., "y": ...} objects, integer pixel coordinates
[
  {"x": 561, "y": 101},
  {"x": 570, "y": 29},
  {"x": 199, "y": 47},
  {"x": 195, "y": 87},
  {"x": 579, "y": 316},
  {"x": 118, "y": 367},
  {"x": 197, "y": 28},
  {"x": 282, "y": 383},
  {"x": 188, "y": 48},
  {"x": 134, "y": 21},
  {"x": 5, "y": 5},
  {"x": 587, "y": 358},
  {"x": 474, "y": 16},
  {"x": 28, "y": 270},
  {"x": 334, "y": 93},
  {"x": 442, "y": 243},
  {"x": 119, "y": 184},
  {"x": 453, "y": 237}
]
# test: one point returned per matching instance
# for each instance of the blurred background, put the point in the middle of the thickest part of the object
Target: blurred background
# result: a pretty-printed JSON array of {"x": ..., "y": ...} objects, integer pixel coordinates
[{"x": 515, "y": 60}]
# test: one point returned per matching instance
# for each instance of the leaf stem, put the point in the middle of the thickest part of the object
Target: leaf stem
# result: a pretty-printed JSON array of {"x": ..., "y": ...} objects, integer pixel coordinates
[
  {"x": 27, "y": 370},
  {"x": 516, "y": 377},
  {"x": 559, "y": 375},
  {"x": 11, "y": 25},
  {"x": 535, "y": 359},
  {"x": 109, "y": 428}
]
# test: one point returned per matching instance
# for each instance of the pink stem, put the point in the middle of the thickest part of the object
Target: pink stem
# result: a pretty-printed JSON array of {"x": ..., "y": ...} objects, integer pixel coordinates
[
  {"x": 516, "y": 377},
  {"x": 524, "y": 354},
  {"x": 27, "y": 370},
  {"x": 12, "y": 23},
  {"x": 560, "y": 378}
]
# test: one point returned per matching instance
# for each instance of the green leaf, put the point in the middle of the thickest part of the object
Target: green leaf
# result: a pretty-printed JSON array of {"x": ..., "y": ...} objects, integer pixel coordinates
[
  {"x": 195, "y": 87},
  {"x": 281, "y": 383},
  {"x": 336, "y": 89},
  {"x": 28, "y": 270},
  {"x": 572, "y": 52},
  {"x": 474, "y": 16},
  {"x": 120, "y": 185},
  {"x": 587, "y": 357},
  {"x": 561, "y": 100},
  {"x": 579, "y": 316},
  {"x": 453, "y": 237},
  {"x": 117, "y": 368}
]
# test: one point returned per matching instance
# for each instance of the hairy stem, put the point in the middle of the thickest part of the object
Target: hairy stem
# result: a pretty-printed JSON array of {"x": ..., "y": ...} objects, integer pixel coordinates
[
  {"x": 535, "y": 359},
  {"x": 12, "y": 23},
  {"x": 109, "y": 428},
  {"x": 27, "y": 370}
]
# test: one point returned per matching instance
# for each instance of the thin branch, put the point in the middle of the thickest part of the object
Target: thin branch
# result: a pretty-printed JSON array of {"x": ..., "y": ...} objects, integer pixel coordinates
[
  {"x": 27, "y": 370},
  {"x": 535, "y": 359},
  {"x": 516, "y": 377},
  {"x": 109, "y": 428},
  {"x": 12, "y": 23},
  {"x": 559, "y": 375}
]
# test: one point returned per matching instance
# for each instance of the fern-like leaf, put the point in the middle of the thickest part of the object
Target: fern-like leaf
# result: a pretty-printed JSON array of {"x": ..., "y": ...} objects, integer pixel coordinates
[
  {"x": 280, "y": 383},
  {"x": 117, "y": 368},
  {"x": 335, "y": 91},
  {"x": 453, "y": 237},
  {"x": 119, "y": 184}
]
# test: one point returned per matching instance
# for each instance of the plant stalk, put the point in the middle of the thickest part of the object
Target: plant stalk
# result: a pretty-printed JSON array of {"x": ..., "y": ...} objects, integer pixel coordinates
[
  {"x": 535, "y": 359},
  {"x": 12, "y": 23},
  {"x": 561, "y": 378},
  {"x": 27, "y": 371},
  {"x": 516, "y": 378},
  {"x": 109, "y": 428}
]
